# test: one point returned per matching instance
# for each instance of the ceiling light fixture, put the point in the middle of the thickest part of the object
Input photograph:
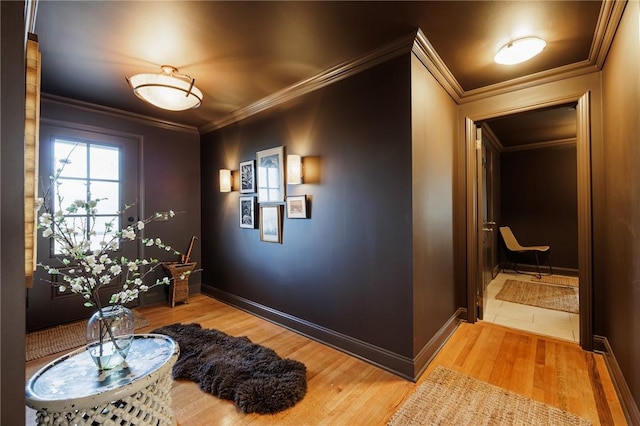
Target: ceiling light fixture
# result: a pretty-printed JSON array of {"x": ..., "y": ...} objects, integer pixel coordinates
[
  {"x": 519, "y": 50},
  {"x": 167, "y": 90}
]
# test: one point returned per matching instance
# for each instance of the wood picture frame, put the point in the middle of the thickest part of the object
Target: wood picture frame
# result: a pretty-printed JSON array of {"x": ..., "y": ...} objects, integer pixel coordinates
[
  {"x": 270, "y": 174},
  {"x": 271, "y": 223},
  {"x": 248, "y": 177},
  {"x": 297, "y": 207},
  {"x": 247, "y": 212}
]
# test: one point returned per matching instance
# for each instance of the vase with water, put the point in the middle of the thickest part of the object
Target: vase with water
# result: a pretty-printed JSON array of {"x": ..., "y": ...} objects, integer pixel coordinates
[{"x": 109, "y": 336}]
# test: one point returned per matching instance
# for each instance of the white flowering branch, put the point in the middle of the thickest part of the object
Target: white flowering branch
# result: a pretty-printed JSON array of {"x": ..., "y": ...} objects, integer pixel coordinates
[{"x": 88, "y": 270}]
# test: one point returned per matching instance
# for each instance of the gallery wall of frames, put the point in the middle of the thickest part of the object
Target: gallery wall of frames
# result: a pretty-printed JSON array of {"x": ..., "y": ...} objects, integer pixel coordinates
[
  {"x": 262, "y": 184},
  {"x": 349, "y": 274}
]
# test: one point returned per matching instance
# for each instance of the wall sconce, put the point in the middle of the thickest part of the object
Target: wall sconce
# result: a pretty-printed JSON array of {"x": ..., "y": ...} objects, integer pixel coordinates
[
  {"x": 225, "y": 180},
  {"x": 294, "y": 169}
]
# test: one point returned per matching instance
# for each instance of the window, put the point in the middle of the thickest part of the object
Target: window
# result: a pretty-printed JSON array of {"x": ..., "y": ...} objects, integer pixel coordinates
[{"x": 91, "y": 172}]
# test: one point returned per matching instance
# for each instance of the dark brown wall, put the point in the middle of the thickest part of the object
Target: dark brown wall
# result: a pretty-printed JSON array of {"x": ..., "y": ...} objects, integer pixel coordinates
[
  {"x": 169, "y": 173},
  {"x": 538, "y": 200},
  {"x": 346, "y": 274},
  {"x": 434, "y": 132},
  {"x": 617, "y": 293},
  {"x": 12, "y": 320},
  {"x": 348, "y": 267}
]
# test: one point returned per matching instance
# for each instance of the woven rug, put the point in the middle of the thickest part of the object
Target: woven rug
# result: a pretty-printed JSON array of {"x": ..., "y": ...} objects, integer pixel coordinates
[
  {"x": 64, "y": 337},
  {"x": 451, "y": 398},
  {"x": 541, "y": 295},
  {"x": 556, "y": 279}
]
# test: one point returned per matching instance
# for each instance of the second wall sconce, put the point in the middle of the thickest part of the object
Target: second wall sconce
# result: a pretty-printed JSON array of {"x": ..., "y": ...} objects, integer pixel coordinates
[
  {"x": 225, "y": 180},
  {"x": 294, "y": 169}
]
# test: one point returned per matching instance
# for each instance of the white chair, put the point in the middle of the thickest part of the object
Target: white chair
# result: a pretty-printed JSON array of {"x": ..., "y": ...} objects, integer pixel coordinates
[{"x": 514, "y": 248}]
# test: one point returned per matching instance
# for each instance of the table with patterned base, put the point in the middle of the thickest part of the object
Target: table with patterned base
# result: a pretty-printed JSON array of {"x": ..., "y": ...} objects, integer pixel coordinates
[{"x": 71, "y": 389}]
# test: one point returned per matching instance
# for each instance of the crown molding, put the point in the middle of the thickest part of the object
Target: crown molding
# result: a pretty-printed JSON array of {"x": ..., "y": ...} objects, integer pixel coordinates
[
  {"x": 540, "y": 145},
  {"x": 531, "y": 80},
  {"x": 610, "y": 16},
  {"x": 425, "y": 52},
  {"x": 114, "y": 112},
  {"x": 330, "y": 76},
  {"x": 608, "y": 20}
]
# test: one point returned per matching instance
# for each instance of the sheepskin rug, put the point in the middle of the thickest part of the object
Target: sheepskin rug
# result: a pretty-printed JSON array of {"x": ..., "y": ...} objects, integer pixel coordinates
[{"x": 254, "y": 377}]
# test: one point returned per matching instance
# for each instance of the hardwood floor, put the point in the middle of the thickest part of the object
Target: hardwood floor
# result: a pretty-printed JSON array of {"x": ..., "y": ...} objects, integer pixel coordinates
[{"x": 343, "y": 390}]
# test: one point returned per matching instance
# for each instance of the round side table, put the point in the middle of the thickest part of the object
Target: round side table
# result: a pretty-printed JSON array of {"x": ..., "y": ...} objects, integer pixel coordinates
[{"x": 71, "y": 389}]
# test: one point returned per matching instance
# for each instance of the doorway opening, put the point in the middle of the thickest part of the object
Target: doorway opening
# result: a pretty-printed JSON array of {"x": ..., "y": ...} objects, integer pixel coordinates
[
  {"x": 540, "y": 187},
  {"x": 529, "y": 184}
]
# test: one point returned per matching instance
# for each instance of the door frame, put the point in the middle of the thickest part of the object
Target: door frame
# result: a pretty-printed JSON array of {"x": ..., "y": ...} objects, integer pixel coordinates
[
  {"x": 67, "y": 307},
  {"x": 585, "y": 220}
]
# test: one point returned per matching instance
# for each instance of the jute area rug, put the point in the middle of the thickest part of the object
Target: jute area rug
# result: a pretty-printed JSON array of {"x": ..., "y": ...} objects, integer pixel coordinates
[
  {"x": 451, "y": 398},
  {"x": 547, "y": 296},
  {"x": 557, "y": 279},
  {"x": 64, "y": 337}
]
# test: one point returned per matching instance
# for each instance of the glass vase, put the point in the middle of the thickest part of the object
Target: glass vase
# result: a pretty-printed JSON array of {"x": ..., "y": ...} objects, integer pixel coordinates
[{"x": 109, "y": 336}]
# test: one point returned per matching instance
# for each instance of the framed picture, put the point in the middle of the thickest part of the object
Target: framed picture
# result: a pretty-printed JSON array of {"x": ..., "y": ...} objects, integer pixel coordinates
[
  {"x": 270, "y": 169},
  {"x": 297, "y": 207},
  {"x": 270, "y": 224},
  {"x": 248, "y": 177},
  {"x": 247, "y": 212}
]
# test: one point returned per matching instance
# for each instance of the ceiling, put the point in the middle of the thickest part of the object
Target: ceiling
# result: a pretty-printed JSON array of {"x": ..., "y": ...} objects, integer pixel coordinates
[
  {"x": 542, "y": 126},
  {"x": 241, "y": 52}
]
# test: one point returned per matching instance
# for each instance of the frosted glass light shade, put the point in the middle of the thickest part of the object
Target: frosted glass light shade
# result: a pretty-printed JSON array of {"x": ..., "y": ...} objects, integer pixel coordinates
[
  {"x": 225, "y": 180},
  {"x": 167, "y": 90},
  {"x": 520, "y": 50},
  {"x": 294, "y": 169}
]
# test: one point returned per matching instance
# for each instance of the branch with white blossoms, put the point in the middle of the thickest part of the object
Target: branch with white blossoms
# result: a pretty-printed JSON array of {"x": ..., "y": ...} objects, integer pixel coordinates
[{"x": 89, "y": 258}]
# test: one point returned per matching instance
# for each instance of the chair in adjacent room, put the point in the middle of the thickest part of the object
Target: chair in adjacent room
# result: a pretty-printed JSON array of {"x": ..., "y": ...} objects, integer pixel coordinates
[{"x": 514, "y": 251}]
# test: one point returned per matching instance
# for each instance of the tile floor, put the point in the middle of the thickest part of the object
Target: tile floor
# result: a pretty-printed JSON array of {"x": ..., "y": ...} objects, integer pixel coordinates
[{"x": 548, "y": 322}]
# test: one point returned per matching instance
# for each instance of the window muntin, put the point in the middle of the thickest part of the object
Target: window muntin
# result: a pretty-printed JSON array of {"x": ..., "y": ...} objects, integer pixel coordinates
[{"x": 91, "y": 172}]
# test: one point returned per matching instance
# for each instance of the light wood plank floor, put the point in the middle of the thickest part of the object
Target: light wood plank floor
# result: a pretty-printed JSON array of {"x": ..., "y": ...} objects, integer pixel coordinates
[{"x": 343, "y": 390}]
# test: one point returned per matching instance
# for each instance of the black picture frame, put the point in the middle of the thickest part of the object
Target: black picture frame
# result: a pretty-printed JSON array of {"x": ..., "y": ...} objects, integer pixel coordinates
[
  {"x": 248, "y": 177},
  {"x": 247, "y": 212},
  {"x": 297, "y": 207}
]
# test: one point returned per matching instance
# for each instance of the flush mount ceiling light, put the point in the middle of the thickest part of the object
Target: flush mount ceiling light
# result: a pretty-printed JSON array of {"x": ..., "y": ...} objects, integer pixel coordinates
[
  {"x": 167, "y": 90},
  {"x": 519, "y": 50}
]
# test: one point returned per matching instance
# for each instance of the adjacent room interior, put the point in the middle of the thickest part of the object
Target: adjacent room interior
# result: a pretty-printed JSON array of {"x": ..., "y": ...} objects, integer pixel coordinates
[{"x": 531, "y": 187}]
